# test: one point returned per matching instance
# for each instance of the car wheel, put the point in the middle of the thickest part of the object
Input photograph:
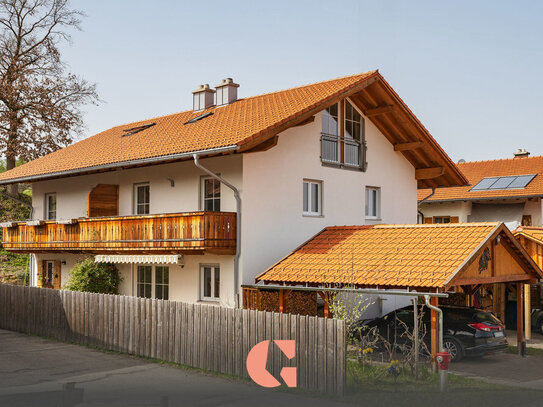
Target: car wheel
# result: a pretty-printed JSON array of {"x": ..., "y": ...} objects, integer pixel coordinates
[
  {"x": 454, "y": 348},
  {"x": 540, "y": 325}
]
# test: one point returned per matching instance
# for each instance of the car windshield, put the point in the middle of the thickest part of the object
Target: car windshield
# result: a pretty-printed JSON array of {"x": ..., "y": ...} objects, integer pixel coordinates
[{"x": 486, "y": 317}]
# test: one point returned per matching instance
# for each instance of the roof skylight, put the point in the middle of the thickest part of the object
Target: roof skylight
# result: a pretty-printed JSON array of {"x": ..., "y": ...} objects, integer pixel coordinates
[
  {"x": 134, "y": 130},
  {"x": 200, "y": 117},
  {"x": 509, "y": 182}
]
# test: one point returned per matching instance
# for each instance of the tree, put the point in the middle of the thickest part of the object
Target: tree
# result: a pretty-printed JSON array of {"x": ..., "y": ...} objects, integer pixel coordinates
[
  {"x": 40, "y": 103},
  {"x": 91, "y": 277}
]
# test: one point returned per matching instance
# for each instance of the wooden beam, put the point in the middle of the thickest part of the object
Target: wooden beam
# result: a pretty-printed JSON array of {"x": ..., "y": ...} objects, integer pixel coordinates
[
  {"x": 429, "y": 173},
  {"x": 379, "y": 110},
  {"x": 497, "y": 279},
  {"x": 306, "y": 121},
  {"x": 527, "y": 313},
  {"x": 412, "y": 145},
  {"x": 265, "y": 145}
]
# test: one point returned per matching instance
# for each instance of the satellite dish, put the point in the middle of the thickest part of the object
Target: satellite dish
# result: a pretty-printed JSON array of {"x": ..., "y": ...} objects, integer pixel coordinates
[{"x": 461, "y": 161}]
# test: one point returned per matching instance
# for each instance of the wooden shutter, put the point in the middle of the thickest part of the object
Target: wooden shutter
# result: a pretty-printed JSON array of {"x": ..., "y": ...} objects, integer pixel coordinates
[
  {"x": 454, "y": 219},
  {"x": 57, "y": 275},
  {"x": 429, "y": 220},
  {"x": 104, "y": 200}
]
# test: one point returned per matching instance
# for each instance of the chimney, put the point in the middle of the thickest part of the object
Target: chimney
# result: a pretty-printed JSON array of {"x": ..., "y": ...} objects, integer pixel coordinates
[
  {"x": 202, "y": 97},
  {"x": 521, "y": 153},
  {"x": 227, "y": 92}
]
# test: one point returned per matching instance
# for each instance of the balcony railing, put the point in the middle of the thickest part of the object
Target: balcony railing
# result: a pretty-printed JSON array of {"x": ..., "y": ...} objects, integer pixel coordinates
[
  {"x": 192, "y": 232},
  {"x": 331, "y": 148}
]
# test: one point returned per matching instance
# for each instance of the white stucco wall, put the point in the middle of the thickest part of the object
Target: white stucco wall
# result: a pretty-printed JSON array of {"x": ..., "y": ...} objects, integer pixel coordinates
[
  {"x": 459, "y": 208},
  {"x": 72, "y": 193},
  {"x": 273, "y": 224},
  {"x": 463, "y": 209},
  {"x": 185, "y": 284},
  {"x": 270, "y": 184}
]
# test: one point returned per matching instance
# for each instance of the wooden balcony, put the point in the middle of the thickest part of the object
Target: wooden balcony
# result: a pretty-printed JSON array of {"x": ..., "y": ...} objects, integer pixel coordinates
[{"x": 184, "y": 233}]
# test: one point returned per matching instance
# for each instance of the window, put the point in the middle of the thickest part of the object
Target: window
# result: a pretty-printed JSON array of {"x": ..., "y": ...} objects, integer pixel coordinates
[
  {"x": 49, "y": 273},
  {"x": 343, "y": 146},
  {"x": 442, "y": 219},
  {"x": 211, "y": 282},
  {"x": 211, "y": 194},
  {"x": 162, "y": 282},
  {"x": 373, "y": 203},
  {"x": 153, "y": 282},
  {"x": 144, "y": 281},
  {"x": 330, "y": 120},
  {"x": 51, "y": 206},
  {"x": 141, "y": 199},
  {"x": 312, "y": 198}
]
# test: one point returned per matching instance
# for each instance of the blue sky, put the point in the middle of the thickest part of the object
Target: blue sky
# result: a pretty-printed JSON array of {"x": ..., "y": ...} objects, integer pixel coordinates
[{"x": 471, "y": 71}]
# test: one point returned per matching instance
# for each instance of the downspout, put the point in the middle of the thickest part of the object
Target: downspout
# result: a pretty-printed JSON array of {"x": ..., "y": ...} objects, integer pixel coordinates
[
  {"x": 238, "y": 223},
  {"x": 424, "y": 199},
  {"x": 29, "y": 206},
  {"x": 440, "y": 330}
]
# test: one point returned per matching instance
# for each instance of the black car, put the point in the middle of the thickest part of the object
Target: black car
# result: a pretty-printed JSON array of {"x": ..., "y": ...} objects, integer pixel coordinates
[{"x": 466, "y": 331}]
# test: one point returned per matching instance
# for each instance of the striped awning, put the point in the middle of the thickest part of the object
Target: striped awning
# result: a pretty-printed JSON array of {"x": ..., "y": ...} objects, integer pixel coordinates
[{"x": 141, "y": 259}]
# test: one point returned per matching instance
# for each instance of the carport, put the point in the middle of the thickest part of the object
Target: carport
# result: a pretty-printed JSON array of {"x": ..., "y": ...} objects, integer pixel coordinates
[{"x": 416, "y": 259}]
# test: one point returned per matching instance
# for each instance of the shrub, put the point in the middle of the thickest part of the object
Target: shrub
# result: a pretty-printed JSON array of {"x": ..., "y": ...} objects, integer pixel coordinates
[{"x": 91, "y": 277}]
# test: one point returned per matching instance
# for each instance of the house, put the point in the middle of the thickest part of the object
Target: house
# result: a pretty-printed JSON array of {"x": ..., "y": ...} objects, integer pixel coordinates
[
  {"x": 508, "y": 190},
  {"x": 191, "y": 205},
  {"x": 418, "y": 259}
]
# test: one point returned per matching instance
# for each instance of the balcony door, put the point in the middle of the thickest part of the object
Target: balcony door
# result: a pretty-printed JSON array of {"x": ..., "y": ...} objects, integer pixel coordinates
[{"x": 104, "y": 200}]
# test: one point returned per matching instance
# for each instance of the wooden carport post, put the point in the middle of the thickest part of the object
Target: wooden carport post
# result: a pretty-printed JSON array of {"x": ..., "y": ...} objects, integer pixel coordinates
[{"x": 520, "y": 316}]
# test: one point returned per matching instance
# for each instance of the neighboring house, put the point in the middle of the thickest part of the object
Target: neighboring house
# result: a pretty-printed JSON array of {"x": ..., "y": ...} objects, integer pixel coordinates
[
  {"x": 508, "y": 190},
  {"x": 156, "y": 197}
]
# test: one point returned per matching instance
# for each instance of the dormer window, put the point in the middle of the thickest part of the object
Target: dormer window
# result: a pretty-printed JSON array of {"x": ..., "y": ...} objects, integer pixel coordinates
[{"x": 343, "y": 146}]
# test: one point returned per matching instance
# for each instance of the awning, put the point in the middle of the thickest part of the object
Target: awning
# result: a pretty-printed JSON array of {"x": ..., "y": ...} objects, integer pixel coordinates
[{"x": 141, "y": 259}]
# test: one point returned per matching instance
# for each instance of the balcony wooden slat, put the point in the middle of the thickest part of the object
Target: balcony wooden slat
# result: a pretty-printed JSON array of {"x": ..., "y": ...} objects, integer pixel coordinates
[{"x": 193, "y": 232}]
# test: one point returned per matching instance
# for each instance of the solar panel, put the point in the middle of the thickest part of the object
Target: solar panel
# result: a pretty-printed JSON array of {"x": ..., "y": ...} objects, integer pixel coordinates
[
  {"x": 484, "y": 184},
  {"x": 522, "y": 181},
  {"x": 509, "y": 182}
]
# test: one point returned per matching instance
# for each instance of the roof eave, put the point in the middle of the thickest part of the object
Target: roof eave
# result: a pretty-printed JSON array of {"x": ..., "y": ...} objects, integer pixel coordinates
[{"x": 120, "y": 164}]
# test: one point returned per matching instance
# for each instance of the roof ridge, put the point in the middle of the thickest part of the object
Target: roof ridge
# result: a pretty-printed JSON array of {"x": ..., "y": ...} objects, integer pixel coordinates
[
  {"x": 499, "y": 159},
  {"x": 212, "y": 108},
  {"x": 436, "y": 225}
]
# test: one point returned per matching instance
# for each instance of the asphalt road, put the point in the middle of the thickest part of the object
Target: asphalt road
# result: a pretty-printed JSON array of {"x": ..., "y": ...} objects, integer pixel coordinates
[{"x": 33, "y": 372}]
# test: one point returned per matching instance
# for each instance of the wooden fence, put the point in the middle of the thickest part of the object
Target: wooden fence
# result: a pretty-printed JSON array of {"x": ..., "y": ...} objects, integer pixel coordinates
[{"x": 201, "y": 336}]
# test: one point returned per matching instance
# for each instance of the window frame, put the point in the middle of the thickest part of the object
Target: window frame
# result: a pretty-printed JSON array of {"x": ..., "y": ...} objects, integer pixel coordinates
[
  {"x": 342, "y": 141},
  {"x": 310, "y": 213},
  {"x": 46, "y": 206},
  {"x": 214, "y": 269},
  {"x": 135, "y": 203},
  {"x": 153, "y": 283},
  {"x": 203, "y": 180},
  {"x": 377, "y": 215}
]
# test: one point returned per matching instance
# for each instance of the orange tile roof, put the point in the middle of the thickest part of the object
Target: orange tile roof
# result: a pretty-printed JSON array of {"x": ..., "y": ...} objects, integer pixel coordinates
[
  {"x": 530, "y": 232},
  {"x": 239, "y": 125},
  {"x": 475, "y": 171},
  {"x": 422, "y": 256}
]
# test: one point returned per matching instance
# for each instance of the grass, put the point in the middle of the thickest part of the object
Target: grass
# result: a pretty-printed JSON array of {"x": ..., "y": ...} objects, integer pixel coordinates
[{"x": 529, "y": 351}]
